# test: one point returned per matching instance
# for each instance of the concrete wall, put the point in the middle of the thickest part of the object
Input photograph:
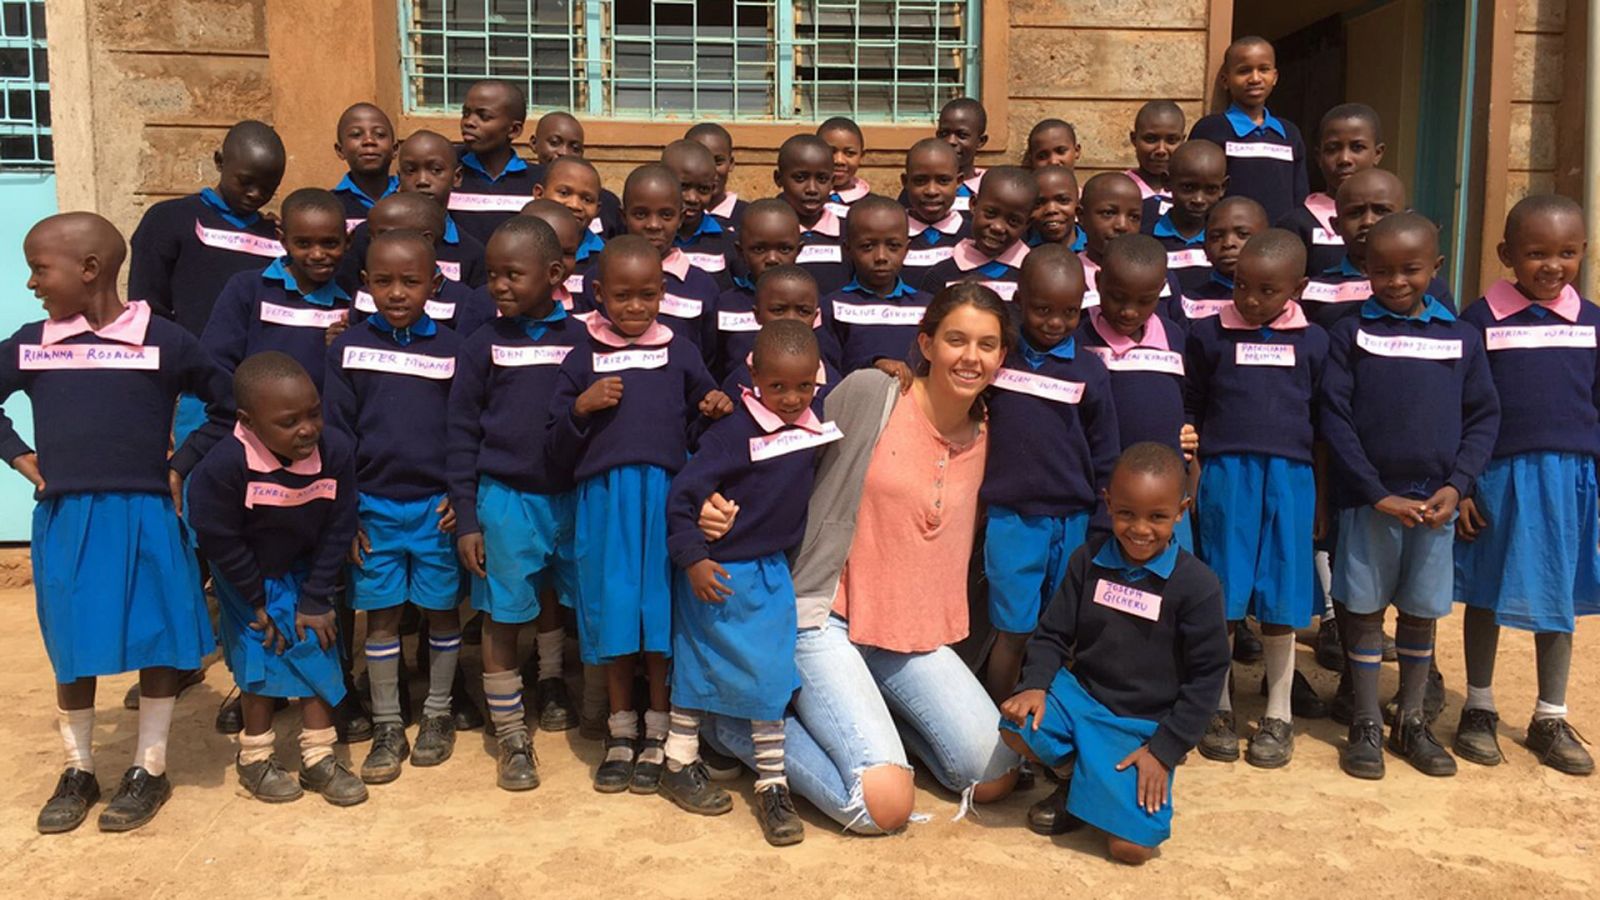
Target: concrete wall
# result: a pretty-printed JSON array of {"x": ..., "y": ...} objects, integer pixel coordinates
[{"x": 1538, "y": 87}]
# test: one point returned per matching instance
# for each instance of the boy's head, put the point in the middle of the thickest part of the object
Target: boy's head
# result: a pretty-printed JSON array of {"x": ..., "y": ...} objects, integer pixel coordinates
[
  {"x": 1111, "y": 205},
  {"x": 1349, "y": 140},
  {"x": 1198, "y": 176},
  {"x": 524, "y": 262},
  {"x": 1056, "y": 211},
  {"x": 1232, "y": 222},
  {"x": 556, "y": 135},
  {"x": 428, "y": 165},
  {"x": 964, "y": 125},
  {"x": 628, "y": 283},
  {"x": 365, "y": 140},
  {"x": 1544, "y": 245},
  {"x": 573, "y": 182},
  {"x": 697, "y": 177},
  {"x": 652, "y": 205},
  {"x": 1133, "y": 270},
  {"x": 786, "y": 292},
  {"x": 278, "y": 403},
  {"x": 568, "y": 234},
  {"x": 1050, "y": 294},
  {"x": 805, "y": 174},
  {"x": 314, "y": 236},
  {"x": 249, "y": 166},
  {"x": 1001, "y": 211},
  {"x": 1365, "y": 198},
  {"x": 492, "y": 116},
  {"x": 843, "y": 137},
  {"x": 769, "y": 235},
  {"x": 876, "y": 242},
  {"x": 783, "y": 368},
  {"x": 1146, "y": 499},
  {"x": 1402, "y": 258},
  {"x": 409, "y": 212},
  {"x": 1249, "y": 72},
  {"x": 1271, "y": 271},
  {"x": 1052, "y": 142},
  {"x": 715, "y": 138},
  {"x": 933, "y": 173},
  {"x": 70, "y": 257},
  {"x": 1158, "y": 129},
  {"x": 401, "y": 274}
]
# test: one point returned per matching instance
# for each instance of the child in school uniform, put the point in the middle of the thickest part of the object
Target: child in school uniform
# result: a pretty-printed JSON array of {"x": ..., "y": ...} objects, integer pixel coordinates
[
  {"x": 725, "y": 204},
  {"x": 874, "y": 318},
  {"x": 1051, "y": 142},
  {"x": 1055, "y": 213},
  {"x": 388, "y": 386},
  {"x": 993, "y": 255},
  {"x": 365, "y": 142},
  {"x": 803, "y": 177},
  {"x": 274, "y": 509},
  {"x": 1529, "y": 552},
  {"x": 1253, "y": 373},
  {"x": 768, "y": 237},
  {"x": 1110, "y": 208},
  {"x": 1409, "y": 413},
  {"x": 1266, "y": 155},
  {"x": 1158, "y": 129},
  {"x": 785, "y": 292},
  {"x": 704, "y": 240},
  {"x": 734, "y": 626},
  {"x": 574, "y": 183},
  {"x": 844, "y": 138},
  {"x": 964, "y": 125},
  {"x": 513, "y": 503},
  {"x": 116, "y": 583},
  {"x": 453, "y": 304},
  {"x": 495, "y": 181},
  {"x": 1052, "y": 412},
  {"x": 1229, "y": 225},
  {"x": 1140, "y": 620},
  {"x": 568, "y": 237},
  {"x": 558, "y": 135},
  {"x": 622, "y": 408},
  {"x": 1199, "y": 174},
  {"x": 928, "y": 193},
  {"x": 427, "y": 164},
  {"x": 652, "y": 204},
  {"x": 1349, "y": 140}
]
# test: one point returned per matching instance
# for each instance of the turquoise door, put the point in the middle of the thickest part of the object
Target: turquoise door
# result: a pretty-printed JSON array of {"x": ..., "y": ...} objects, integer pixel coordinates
[{"x": 29, "y": 197}]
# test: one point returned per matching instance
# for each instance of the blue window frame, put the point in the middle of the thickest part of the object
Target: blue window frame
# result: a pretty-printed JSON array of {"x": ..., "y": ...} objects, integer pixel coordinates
[{"x": 24, "y": 88}]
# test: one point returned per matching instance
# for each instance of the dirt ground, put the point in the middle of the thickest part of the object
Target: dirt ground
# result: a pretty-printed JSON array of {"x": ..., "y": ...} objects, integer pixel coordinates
[{"x": 1519, "y": 829}]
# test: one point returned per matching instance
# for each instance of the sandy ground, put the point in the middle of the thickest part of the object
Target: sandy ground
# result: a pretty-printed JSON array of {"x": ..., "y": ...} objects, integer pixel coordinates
[{"x": 1519, "y": 829}]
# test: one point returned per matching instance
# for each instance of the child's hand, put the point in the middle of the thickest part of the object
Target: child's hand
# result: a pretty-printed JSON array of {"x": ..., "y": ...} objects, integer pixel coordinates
[
  {"x": 321, "y": 625},
  {"x": 270, "y": 638},
  {"x": 175, "y": 485},
  {"x": 336, "y": 329},
  {"x": 28, "y": 466},
  {"x": 898, "y": 369},
  {"x": 1022, "y": 705},
  {"x": 1409, "y": 512},
  {"x": 447, "y": 516},
  {"x": 1152, "y": 790},
  {"x": 716, "y": 517},
  {"x": 1441, "y": 506},
  {"x": 1189, "y": 441},
  {"x": 359, "y": 544},
  {"x": 1472, "y": 523},
  {"x": 603, "y": 394},
  {"x": 715, "y": 405},
  {"x": 707, "y": 578},
  {"x": 470, "y": 548}
]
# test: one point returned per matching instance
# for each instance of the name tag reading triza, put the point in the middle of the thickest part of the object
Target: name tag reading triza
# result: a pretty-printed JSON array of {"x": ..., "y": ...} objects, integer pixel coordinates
[
  {"x": 818, "y": 253},
  {"x": 265, "y": 493},
  {"x": 35, "y": 358},
  {"x": 438, "y": 368},
  {"x": 1540, "y": 337},
  {"x": 792, "y": 440},
  {"x": 1132, "y": 601},
  {"x": 1264, "y": 355},
  {"x": 1400, "y": 346},
  {"x": 638, "y": 358},
  {"x": 1056, "y": 390}
]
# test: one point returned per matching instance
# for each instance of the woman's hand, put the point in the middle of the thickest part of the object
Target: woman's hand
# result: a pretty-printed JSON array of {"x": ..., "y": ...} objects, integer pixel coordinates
[
  {"x": 716, "y": 517},
  {"x": 1022, "y": 705}
]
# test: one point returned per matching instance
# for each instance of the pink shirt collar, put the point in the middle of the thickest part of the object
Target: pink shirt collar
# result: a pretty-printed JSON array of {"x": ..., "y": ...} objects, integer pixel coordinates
[
  {"x": 857, "y": 189},
  {"x": 827, "y": 224},
  {"x": 1155, "y": 335},
  {"x": 676, "y": 263},
  {"x": 1322, "y": 207},
  {"x": 1505, "y": 301},
  {"x": 822, "y": 368},
  {"x": 725, "y": 208},
  {"x": 770, "y": 421},
  {"x": 969, "y": 257},
  {"x": 128, "y": 327},
  {"x": 561, "y": 295},
  {"x": 1291, "y": 319},
  {"x": 259, "y": 459},
  {"x": 1145, "y": 190},
  {"x": 1091, "y": 269},
  {"x": 657, "y": 335},
  {"x": 976, "y": 180},
  {"x": 950, "y": 224}
]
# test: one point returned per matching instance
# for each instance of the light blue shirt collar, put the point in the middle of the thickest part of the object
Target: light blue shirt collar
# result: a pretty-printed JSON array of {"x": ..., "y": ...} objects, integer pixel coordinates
[
  {"x": 901, "y": 289},
  {"x": 451, "y": 234},
  {"x": 1431, "y": 309},
  {"x": 1165, "y": 229},
  {"x": 1034, "y": 357},
  {"x": 591, "y": 245},
  {"x": 536, "y": 328},
  {"x": 741, "y": 281},
  {"x": 1110, "y": 557},
  {"x": 1345, "y": 269},
  {"x": 708, "y": 225},
  {"x": 214, "y": 200},
  {"x": 516, "y": 164},
  {"x": 1222, "y": 279},
  {"x": 1243, "y": 126},
  {"x": 322, "y": 296},
  {"x": 347, "y": 186},
  {"x": 423, "y": 327}
]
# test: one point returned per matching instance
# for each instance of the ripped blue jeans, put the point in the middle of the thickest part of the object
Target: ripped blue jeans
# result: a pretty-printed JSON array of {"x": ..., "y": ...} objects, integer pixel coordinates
[{"x": 847, "y": 715}]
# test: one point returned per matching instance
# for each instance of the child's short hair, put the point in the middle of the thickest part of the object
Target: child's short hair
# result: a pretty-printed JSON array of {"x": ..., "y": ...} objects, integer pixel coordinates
[
  {"x": 559, "y": 114},
  {"x": 1205, "y": 152},
  {"x": 708, "y": 129},
  {"x": 1138, "y": 251},
  {"x": 311, "y": 199},
  {"x": 621, "y": 247},
  {"x": 403, "y": 237},
  {"x": 969, "y": 105},
  {"x": 550, "y": 170},
  {"x": 253, "y": 136},
  {"x": 786, "y": 273},
  {"x": 538, "y": 232},
  {"x": 1044, "y": 125},
  {"x": 871, "y": 203},
  {"x": 784, "y": 337},
  {"x": 417, "y": 207},
  {"x": 1227, "y": 203},
  {"x": 1248, "y": 40},
  {"x": 263, "y": 368},
  {"x": 1278, "y": 245},
  {"x": 364, "y": 107},
  {"x": 771, "y": 206},
  {"x": 1101, "y": 182},
  {"x": 651, "y": 173},
  {"x": 1403, "y": 223},
  {"x": 1359, "y": 112},
  {"x": 517, "y": 100},
  {"x": 1009, "y": 176},
  {"x": 1054, "y": 263},
  {"x": 1158, "y": 108},
  {"x": 1151, "y": 458},
  {"x": 841, "y": 123},
  {"x": 1539, "y": 205},
  {"x": 685, "y": 147},
  {"x": 933, "y": 145},
  {"x": 795, "y": 144}
]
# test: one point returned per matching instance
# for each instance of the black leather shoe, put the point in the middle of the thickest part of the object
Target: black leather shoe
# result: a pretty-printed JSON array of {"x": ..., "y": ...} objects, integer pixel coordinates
[
  {"x": 1049, "y": 816},
  {"x": 614, "y": 775},
  {"x": 1303, "y": 700},
  {"x": 647, "y": 775},
  {"x": 1246, "y": 646},
  {"x": 1477, "y": 739},
  {"x": 137, "y": 800},
  {"x": 66, "y": 809},
  {"x": 334, "y": 781},
  {"x": 351, "y": 724},
  {"x": 780, "y": 824},
  {"x": 436, "y": 741},
  {"x": 1414, "y": 741},
  {"x": 389, "y": 749},
  {"x": 1559, "y": 746},
  {"x": 692, "y": 790},
  {"x": 518, "y": 767},
  {"x": 1330, "y": 649},
  {"x": 1362, "y": 754},
  {"x": 1272, "y": 746},
  {"x": 1220, "y": 743}
]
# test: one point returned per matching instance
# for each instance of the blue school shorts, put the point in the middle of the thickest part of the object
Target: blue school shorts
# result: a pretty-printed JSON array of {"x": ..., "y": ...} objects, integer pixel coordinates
[
  {"x": 736, "y": 658},
  {"x": 527, "y": 547},
  {"x": 1077, "y": 726},
  {"x": 1025, "y": 560},
  {"x": 1380, "y": 561},
  {"x": 187, "y": 419},
  {"x": 304, "y": 669},
  {"x": 624, "y": 572},
  {"x": 411, "y": 559},
  {"x": 1256, "y": 517}
]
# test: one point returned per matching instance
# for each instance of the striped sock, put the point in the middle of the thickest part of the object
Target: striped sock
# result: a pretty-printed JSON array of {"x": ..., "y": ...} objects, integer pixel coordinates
[
  {"x": 1413, "y": 641},
  {"x": 503, "y": 692},
  {"x": 683, "y": 738},
  {"x": 1364, "y": 650},
  {"x": 444, "y": 651},
  {"x": 768, "y": 738},
  {"x": 383, "y": 671}
]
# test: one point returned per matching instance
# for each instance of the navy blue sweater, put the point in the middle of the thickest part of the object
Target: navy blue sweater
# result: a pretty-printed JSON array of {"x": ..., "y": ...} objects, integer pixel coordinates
[
  {"x": 460, "y": 260},
  {"x": 255, "y": 525},
  {"x": 456, "y": 306},
  {"x": 1168, "y": 669},
  {"x": 1204, "y": 300},
  {"x": 184, "y": 251},
  {"x": 711, "y": 251},
  {"x": 356, "y": 202},
  {"x": 1053, "y": 433},
  {"x": 254, "y": 314},
  {"x": 1265, "y": 405},
  {"x": 930, "y": 246},
  {"x": 1187, "y": 264},
  {"x": 1146, "y": 385},
  {"x": 868, "y": 327},
  {"x": 737, "y": 329},
  {"x": 1263, "y": 165},
  {"x": 498, "y": 426},
  {"x": 390, "y": 400},
  {"x": 823, "y": 256},
  {"x": 1324, "y": 246},
  {"x": 480, "y": 203},
  {"x": 1338, "y": 293}
]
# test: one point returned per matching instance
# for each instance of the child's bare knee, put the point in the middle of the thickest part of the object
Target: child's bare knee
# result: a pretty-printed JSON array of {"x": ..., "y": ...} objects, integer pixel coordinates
[
  {"x": 990, "y": 791},
  {"x": 889, "y": 796},
  {"x": 1128, "y": 852}
]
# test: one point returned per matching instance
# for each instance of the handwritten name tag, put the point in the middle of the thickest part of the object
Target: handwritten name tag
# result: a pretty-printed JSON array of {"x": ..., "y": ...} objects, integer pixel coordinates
[
  {"x": 1006, "y": 289},
  {"x": 265, "y": 493},
  {"x": 681, "y": 307},
  {"x": 737, "y": 321},
  {"x": 877, "y": 314},
  {"x": 238, "y": 241},
  {"x": 1186, "y": 259},
  {"x": 1322, "y": 237},
  {"x": 33, "y": 357},
  {"x": 820, "y": 253},
  {"x": 1141, "y": 359},
  {"x": 510, "y": 203},
  {"x": 708, "y": 262},
  {"x": 1132, "y": 601},
  {"x": 1055, "y": 390},
  {"x": 1406, "y": 347},
  {"x": 928, "y": 256},
  {"x": 839, "y": 209},
  {"x": 1203, "y": 309},
  {"x": 1337, "y": 291},
  {"x": 1540, "y": 337},
  {"x": 574, "y": 284},
  {"x": 273, "y": 314},
  {"x": 1091, "y": 298},
  {"x": 516, "y": 357},
  {"x": 962, "y": 204},
  {"x": 436, "y": 309},
  {"x": 1259, "y": 150},
  {"x": 638, "y": 358},
  {"x": 1263, "y": 355},
  {"x": 439, "y": 368},
  {"x": 351, "y": 224},
  {"x": 792, "y": 440},
  {"x": 451, "y": 269}
]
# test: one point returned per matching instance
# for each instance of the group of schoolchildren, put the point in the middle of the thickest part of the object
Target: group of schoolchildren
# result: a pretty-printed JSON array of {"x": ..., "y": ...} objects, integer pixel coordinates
[{"x": 460, "y": 373}]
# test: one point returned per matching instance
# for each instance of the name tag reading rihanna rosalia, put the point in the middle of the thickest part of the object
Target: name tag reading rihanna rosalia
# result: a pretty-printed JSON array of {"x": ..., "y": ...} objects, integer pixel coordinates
[
  {"x": 1540, "y": 337},
  {"x": 516, "y": 357},
  {"x": 1056, "y": 390},
  {"x": 238, "y": 241},
  {"x": 295, "y": 317},
  {"x": 820, "y": 253},
  {"x": 32, "y": 357},
  {"x": 1255, "y": 150},
  {"x": 1132, "y": 601},
  {"x": 1264, "y": 355},
  {"x": 792, "y": 440},
  {"x": 1402, "y": 346},
  {"x": 637, "y": 358},
  {"x": 438, "y": 368},
  {"x": 265, "y": 493}
]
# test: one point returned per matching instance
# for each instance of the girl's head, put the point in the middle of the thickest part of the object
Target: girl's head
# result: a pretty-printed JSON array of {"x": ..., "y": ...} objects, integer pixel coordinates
[
  {"x": 805, "y": 175},
  {"x": 1271, "y": 272},
  {"x": 1111, "y": 205},
  {"x": 629, "y": 284},
  {"x": 1363, "y": 200},
  {"x": 965, "y": 334},
  {"x": 492, "y": 116},
  {"x": 1052, "y": 142},
  {"x": 1158, "y": 129},
  {"x": 964, "y": 125},
  {"x": 278, "y": 403},
  {"x": 71, "y": 257},
  {"x": 401, "y": 274},
  {"x": 408, "y": 212},
  {"x": 1402, "y": 258},
  {"x": 932, "y": 176},
  {"x": 768, "y": 235},
  {"x": 875, "y": 241},
  {"x": 715, "y": 138},
  {"x": 1146, "y": 499},
  {"x": 843, "y": 136},
  {"x": 783, "y": 368},
  {"x": 1199, "y": 175},
  {"x": 1002, "y": 209},
  {"x": 249, "y": 166},
  {"x": 1544, "y": 245},
  {"x": 1133, "y": 270},
  {"x": 1055, "y": 213},
  {"x": 558, "y": 134},
  {"x": 428, "y": 165},
  {"x": 652, "y": 205},
  {"x": 314, "y": 235},
  {"x": 1231, "y": 223},
  {"x": 1050, "y": 295},
  {"x": 1349, "y": 140},
  {"x": 1249, "y": 72},
  {"x": 525, "y": 264},
  {"x": 365, "y": 140},
  {"x": 786, "y": 292},
  {"x": 697, "y": 179},
  {"x": 573, "y": 182},
  {"x": 568, "y": 234}
]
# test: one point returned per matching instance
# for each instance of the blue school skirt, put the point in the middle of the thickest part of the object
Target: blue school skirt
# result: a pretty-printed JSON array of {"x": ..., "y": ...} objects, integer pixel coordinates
[
  {"x": 411, "y": 559},
  {"x": 736, "y": 658},
  {"x": 304, "y": 669},
  {"x": 1076, "y": 724},
  {"x": 1537, "y": 565},
  {"x": 1025, "y": 560},
  {"x": 527, "y": 547},
  {"x": 187, "y": 419},
  {"x": 624, "y": 572},
  {"x": 1256, "y": 518},
  {"x": 116, "y": 585}
]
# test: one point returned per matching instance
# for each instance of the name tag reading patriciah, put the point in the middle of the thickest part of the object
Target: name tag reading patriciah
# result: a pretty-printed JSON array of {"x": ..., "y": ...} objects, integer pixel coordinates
[{"x": 1264, "y": 355}]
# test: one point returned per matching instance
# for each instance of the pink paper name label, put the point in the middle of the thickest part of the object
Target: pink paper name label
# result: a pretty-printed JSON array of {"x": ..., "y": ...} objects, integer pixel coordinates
[
  {"x": 574, "y": 284},
  {"x": 877, "y": 314},
  {"x": 1141, "y": 359},
  {"x": 1540, "y": 337},
  {"x": 637, "y": 358},
  {"x": 351, "y": 224},
  {"x": 1337, "y": 291},
  {"x": 511, "y": 203},
  {"x": 238, "y": 241},
  {"x": 839, "y": 209},
  {"x": 1259, "y": 150},
  {"x": 1263, "y": 355},
  {"x": 439, "y": 368},
  {"x": 36, "y": 358},
  {"x": 1006, "y": 289},
  {"x": 707, "y": 262},
  {"x": 1132, "y": 601},
  {"x": 1056, "y": 390},
  {"x": 516, "y": 357},
  {"x": 962, "y": 204},
  {"x": 737, "y": 321},
  {"x": 928, "y": 256},
  {"x": 1401, "y": 346},
  {"x": 265, "y": 493},
  {"x": 273, "y": 314},
  {"x": 681, "y": 307},
  {"x": 436, "y": 309},
  {"x": 1203, "y": 309},
  {"x": 1186, "y": 259},
  {"x": 1322, "y": 237},
  {"x": 792, "y": 440},
  {"x": 820, "y": 253},
  {"x": 450, "y": 269}
]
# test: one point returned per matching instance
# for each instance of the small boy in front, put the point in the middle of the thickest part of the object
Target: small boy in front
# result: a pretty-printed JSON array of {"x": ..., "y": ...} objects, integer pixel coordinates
[
  {"x": 1349, "y": 140},
  {"x": 929, "y": 183},
  {"x": 495, "y": 181},
  {"x": 1199, "y": 176},
  {"x": 365, "y": 141},
  {"x": 1266, "y": 155},
  {"x": 453, "y": 303},
  {"x": 874, "y": 318},
  {"x": 804, "y": 177},
  {"x": 993, "y": 255}
]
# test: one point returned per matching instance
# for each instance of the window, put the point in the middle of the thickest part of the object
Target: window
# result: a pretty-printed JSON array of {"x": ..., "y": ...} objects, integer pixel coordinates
[
  {"x": 24, "y": 87},
  {"x": 874, "y": 60}
]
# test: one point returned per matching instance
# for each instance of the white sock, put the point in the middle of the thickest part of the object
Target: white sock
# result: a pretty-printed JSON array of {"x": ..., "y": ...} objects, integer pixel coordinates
[
  {"x": 155, "y": 721},
  {"x": 657, "y": 723},
  {"x": 683, "y": 738},
  {"x": 1479, "y": 698},
  {"x": 1543, "y": 710},
  {"x": 77, "y": 737},
  {"x": 550, "y": 644},
  {"x": 1226, "y": 703},
  {"x": 254, "y": 748},
  {"x": 1278, "y": 651},
  {"x": 316, "y": 745},
  {"x": 1325, "y": 578}
]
